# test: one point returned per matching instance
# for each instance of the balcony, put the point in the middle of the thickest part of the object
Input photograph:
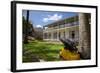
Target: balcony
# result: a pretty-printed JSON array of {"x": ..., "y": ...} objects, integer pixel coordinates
[
  {"x": 62, "y": 26},
  {"x": 71, "y": 24}
]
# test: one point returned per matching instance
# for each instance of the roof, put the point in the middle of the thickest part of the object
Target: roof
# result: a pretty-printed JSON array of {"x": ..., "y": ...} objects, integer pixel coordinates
[{"x": 69, "y": 20}]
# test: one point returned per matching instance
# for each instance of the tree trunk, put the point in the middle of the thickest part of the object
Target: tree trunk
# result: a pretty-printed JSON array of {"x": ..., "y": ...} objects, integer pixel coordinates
[
  {"x": 84, "y": 36},
  {"x": 26, "y": 35}
]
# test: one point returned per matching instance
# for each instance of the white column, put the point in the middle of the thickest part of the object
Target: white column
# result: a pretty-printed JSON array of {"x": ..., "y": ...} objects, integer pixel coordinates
[
  {"x": 67, "y": 33},
  {"x": 43, "y": 35},
  {"x": 57, "y": 35},
  {"x": 52, "y": 35}
]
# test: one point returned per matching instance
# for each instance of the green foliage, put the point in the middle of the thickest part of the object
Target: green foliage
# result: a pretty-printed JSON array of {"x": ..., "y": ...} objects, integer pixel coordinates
[
  {"x": 27, "y": 27},
  {"x": 27, "y": 30}
]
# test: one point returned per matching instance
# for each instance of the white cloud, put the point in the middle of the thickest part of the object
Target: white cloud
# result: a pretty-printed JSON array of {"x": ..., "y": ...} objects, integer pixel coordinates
[
  {"x": 54, "y": 17},
  {"x": 45, "y": 19},
  {"x": 38, "y": 26}
]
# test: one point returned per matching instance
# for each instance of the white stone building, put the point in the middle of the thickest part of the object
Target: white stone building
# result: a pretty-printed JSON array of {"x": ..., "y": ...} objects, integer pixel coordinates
[{"x": 67, "y": 28}]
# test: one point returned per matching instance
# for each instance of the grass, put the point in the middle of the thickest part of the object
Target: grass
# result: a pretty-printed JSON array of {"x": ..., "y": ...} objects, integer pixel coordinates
[{"x": 36, "y": 50}]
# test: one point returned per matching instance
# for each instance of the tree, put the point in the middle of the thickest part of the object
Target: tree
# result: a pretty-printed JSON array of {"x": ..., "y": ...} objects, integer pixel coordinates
[
  {"x": 26, "y": 35},
  {"x": 84, "y": 35},
  {"x": 27, "y": 28}
]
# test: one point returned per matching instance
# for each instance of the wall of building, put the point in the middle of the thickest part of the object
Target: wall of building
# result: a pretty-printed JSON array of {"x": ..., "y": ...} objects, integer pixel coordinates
[{"x": 55, "y": 34}]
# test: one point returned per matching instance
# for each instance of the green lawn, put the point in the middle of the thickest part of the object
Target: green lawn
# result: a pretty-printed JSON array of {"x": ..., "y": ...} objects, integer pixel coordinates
[{"x": 41, "y": 50}]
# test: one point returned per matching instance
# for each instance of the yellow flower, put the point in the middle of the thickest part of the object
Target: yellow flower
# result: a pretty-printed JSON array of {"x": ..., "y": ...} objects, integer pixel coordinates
[{"x": 68, "y": 55}]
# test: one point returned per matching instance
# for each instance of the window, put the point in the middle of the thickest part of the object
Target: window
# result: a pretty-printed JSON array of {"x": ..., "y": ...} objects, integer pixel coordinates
[
  {"x": 55, "y": 35},
  {"x": 73, "y": 34}
]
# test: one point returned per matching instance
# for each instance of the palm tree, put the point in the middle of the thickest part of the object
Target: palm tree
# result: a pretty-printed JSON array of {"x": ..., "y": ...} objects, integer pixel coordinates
[{"x": 84, "y": 35}]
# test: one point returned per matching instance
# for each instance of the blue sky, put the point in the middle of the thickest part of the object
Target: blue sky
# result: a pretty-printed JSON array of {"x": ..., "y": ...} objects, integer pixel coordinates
[{"x": 41, "y": 18}]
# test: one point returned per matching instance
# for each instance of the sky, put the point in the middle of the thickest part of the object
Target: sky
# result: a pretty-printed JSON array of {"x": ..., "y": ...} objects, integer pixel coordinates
[{"x": 41, "y": 18}]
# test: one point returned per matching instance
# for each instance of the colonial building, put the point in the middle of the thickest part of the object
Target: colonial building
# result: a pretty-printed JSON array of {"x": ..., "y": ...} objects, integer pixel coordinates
[{"x": 66, "y": 28}]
